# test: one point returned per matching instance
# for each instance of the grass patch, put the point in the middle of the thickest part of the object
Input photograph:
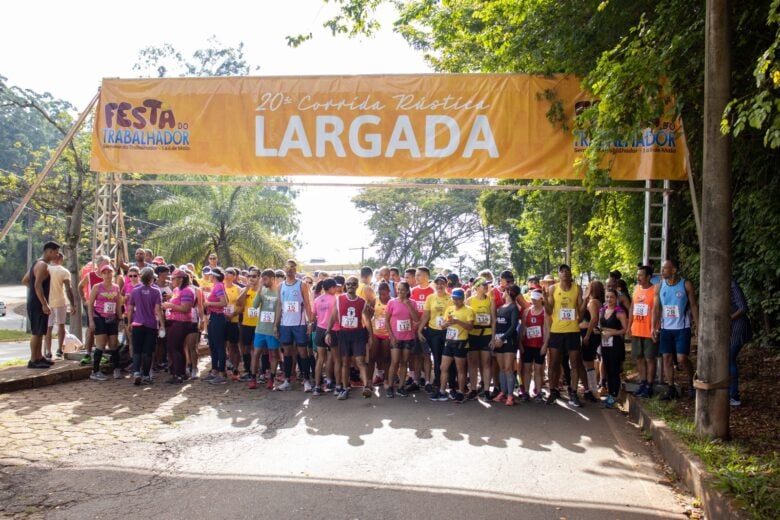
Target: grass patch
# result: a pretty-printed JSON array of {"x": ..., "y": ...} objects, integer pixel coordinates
[
  {"x": 752, "y": 479},
  {"x": 13, "y": 335},
  {"x": 13, "y": 363}
]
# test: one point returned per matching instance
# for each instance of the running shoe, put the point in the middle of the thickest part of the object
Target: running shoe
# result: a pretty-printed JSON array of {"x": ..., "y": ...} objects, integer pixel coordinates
[
  {"x": 402, "y": 392},
  {"x": 59, "y": 353},
  {"x": 117, "y": 373},
  {"x": 366, "y": 392},
  {"x": 471, "y": 395},
  {"x": 48, "y": 362},
  {"x": 252, "y": 384},
  {"x": 37, "y": 364},
  {"x": 438, "y": 396},
  {"x": 499, "y": 397},
  {"x": 98, "y": 376},
  {"x": 47, "y": 355},
  {"x": 458, "y": 397},
  {"x": 329, "y": 386},
  {"x": 671, "y": 393},
  {"x": 337, "y": 391},
  {"x": 261, "y": 379},
  {"x": 307, "y": 387},
  {"x": 284, "y": 387},
  {"x": 610, "y": 402},
  {"x": 269, "y": 385},
  {"x": 389, "y": 392},
  {"x": 218, "y": 380},
  {"x": 316, "y": 391},
  {"x": 146, "y": 380},
  {"x": 641, "y": 389},
  {"x": 86, "y": 360},
  {"x": 510, "y": 400},
  {"x": 343, "y": 395},
  {"x": 539, "y": 398},
  {"x": 574, "y": 400},
  {"x": 525, "y": 398},
  {"x": 735, "y": 402},
  {"x": 209, "y": 377},
  {"x": 414, "y": 387},
  {"x": 554, "y": 396},
  {"x": 137, "y": 378},
  {"x": 590, "y": 397},
  {"x": 428, "y": 388},
  {"x": 246, "y": 376}
]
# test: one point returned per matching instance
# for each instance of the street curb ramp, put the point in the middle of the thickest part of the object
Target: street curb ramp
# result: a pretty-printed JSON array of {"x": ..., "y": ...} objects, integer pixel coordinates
[
  {"x": 688, "y": 467},
  {"x": 62, "y": 372}
]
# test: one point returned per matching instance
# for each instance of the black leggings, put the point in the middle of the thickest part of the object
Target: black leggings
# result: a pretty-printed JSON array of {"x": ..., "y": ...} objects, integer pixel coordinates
[
  {"x": 176, "y": 335},
  {"x": 613, "y": 361},
  {"x": 144, "y": 343}
]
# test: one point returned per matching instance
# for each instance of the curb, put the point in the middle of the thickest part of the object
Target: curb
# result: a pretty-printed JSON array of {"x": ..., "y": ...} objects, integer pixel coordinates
[
  {"x": 687, "y": 466},
  {"x": 36, "y": 381}
]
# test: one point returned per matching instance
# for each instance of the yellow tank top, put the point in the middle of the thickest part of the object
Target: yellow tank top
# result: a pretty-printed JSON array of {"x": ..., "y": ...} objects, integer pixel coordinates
[
  {"x": 564, "y": 316},
  {"x": 483, "y": 319},
  {"x": 379, "y": 321},
  {"x": 232, "y": 293},
  {"x": 361, "y": 290},
  {"x": 249, "y": 318}
]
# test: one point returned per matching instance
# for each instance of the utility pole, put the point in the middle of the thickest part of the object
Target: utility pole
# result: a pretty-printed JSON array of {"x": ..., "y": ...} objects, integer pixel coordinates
[
  {"x": 362, "y": 254},
  {"x": 714, "y": 327}
]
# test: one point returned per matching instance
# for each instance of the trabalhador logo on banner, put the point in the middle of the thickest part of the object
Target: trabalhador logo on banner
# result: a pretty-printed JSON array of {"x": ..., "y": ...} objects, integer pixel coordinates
[{"x": 410, "y": 126}]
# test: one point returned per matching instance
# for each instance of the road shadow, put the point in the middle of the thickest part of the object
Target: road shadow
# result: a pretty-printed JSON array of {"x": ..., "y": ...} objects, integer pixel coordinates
[{"x": 100, "y": 492}]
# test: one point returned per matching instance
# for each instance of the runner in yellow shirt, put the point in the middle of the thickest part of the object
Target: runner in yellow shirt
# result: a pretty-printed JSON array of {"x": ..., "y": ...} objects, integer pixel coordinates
[
  {"x": 479, "y": 355},
  {"x": 249, "y": 316},
  {"x": 457, "y": 324},
  {"x": 232, "y": 312}
]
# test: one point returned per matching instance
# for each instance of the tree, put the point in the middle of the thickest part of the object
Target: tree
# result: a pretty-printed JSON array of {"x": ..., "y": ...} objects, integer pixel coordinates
[
  {"x": 244, "y": 226},
  {"x": 418, "y": 227},
  {"x": 68, "y": 190}
]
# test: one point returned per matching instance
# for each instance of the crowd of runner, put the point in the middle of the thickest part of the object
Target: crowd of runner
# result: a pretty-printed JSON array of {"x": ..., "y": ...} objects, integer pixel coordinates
[{"x": 399, "y": 331}]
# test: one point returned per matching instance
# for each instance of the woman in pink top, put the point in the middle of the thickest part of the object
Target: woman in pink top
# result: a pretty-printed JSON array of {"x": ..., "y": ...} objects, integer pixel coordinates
[
  {"x": 401, "y": 314},
  {"x": 180, "y": 307},
  {"x": 105, "y": 301},
  {"x": 215, "y": 305},
  {"x": 323, "y": 308}
]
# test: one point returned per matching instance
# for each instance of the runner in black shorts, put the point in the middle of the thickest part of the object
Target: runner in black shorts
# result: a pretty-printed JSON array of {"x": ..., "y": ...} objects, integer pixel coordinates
[{"x": 37, "y": 280}]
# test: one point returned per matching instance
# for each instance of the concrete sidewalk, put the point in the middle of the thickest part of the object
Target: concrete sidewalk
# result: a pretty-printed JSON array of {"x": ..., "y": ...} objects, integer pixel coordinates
[{"x": 20, "y": 377}]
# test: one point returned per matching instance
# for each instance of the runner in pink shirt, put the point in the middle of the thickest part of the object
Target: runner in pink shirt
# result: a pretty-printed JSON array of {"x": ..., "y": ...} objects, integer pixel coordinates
[{"x": 401, "y": 314}]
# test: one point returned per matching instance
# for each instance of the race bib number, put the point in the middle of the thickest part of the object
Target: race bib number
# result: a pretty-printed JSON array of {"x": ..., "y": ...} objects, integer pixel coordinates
[
  {"x": 452, "y": 333},
  {"x": 267, "y": 316},
  {"x": 534, "y": 332},
  {"x": 483, "y": 319},
  {"x": 379, "y": 324},
  {"x": 109, "y": 307},
  {"x": 229, "y": 309},
  {"x": 403, "y": 325},
  {"x": 349, "y": 322},
  {"x": 292, "y": 307},
  {"x": 607, "y": 341},
  {"x": 440, "y": 321},
  {"x": 566, "y": 315},
  {"x": 420, "y": 305},
  {"x": 253, "y": 312},
  {"x": 168, "y": 314},
  {"x": 670, "y": 311},
  {"x": 640, "y": 309}
]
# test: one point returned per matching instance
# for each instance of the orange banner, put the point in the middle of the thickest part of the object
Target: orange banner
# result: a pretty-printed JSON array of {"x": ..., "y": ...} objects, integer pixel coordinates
[{"x": 408, "y": 126}]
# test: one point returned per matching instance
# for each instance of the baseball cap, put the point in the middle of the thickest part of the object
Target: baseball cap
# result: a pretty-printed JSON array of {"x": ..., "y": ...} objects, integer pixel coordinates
[
  {"x": 206, "y": 270},
  {"x": 452, "y": 277},
  {"x": 440, "y": 278},
  {"x": 481, "y": 281},
  {"x": 179, "y": 273},
  {"x": 339, "y": 280},
  {"x": 106, "y": 267},
  {"x": 158, "y": 260},
  {"x": 458, "y": 293},
  {"x": 536, "y": 295}
]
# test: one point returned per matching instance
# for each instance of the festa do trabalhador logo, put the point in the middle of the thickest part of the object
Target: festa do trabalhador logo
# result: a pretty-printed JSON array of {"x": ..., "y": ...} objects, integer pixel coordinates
[{"x": 149, "y": 126}]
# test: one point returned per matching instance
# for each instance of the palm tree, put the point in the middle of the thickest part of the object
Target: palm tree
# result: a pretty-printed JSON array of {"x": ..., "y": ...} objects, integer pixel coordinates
[{"x": 242, "y": 225}]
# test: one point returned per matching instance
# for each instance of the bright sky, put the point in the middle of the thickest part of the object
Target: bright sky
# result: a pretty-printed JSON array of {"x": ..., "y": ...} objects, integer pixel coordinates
[{"x": 66, "y": 48}]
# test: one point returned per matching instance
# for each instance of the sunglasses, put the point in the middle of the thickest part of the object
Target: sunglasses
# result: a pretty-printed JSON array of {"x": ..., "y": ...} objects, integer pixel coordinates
[
  {"x": 133, "y": 275},
  {"x": 351, "y": 284},
  {"x": 252, "y": 276}
]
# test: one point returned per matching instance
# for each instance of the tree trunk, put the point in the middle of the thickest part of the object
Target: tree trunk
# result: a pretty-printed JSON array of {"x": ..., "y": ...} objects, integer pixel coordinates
[
  {"x": 712, "y": 406},
  {"x": 71, "y": 246}
]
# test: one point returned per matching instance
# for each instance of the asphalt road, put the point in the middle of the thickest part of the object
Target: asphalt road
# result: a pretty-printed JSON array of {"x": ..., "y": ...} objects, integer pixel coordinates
[
  {"x": 290, "y": 455},
  {"x": 12, "y": 295}
]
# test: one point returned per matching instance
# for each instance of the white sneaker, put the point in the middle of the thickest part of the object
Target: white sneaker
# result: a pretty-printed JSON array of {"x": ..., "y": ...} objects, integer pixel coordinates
[
  {"x": 117, "y": 373},
  {"x": 284, "y": 386},
  {"x": 194, "y": 373},
  {"x": 306, "y": 386},
  {"x": 735, "y": 402},
  {"x": 98, "y": 376}
]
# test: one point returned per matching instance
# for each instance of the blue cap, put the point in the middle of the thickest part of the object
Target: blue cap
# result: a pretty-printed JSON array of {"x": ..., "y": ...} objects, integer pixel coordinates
[{"x": 458, "y": 293}]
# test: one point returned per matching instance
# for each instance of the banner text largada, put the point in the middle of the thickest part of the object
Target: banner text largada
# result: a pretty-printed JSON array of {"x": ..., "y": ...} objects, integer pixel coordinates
[{"x": 410, "y": 126}]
